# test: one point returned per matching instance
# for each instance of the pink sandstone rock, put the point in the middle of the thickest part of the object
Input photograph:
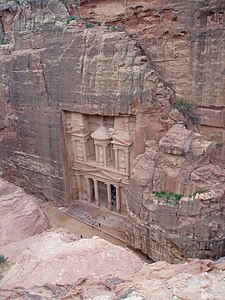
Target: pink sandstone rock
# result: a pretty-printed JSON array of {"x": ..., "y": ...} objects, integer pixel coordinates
[
  {"x": 171, "y": 230},
  {"x": 177, "y": 140},
  {"x": 210, "y": 117},
  {"x": 175, "y": 115},
  {"x": 58, "y": 265},
  {"x": 48, "y": 67},
  {"x": 19, "y": 215}
]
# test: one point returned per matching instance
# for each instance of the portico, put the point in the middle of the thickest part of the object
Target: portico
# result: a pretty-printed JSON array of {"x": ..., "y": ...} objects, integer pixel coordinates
[{"x": 89, "y": 190}]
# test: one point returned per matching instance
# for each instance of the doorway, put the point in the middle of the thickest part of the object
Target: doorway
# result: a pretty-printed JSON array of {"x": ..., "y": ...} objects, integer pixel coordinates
[
  {"x": 92, "y": 190},
  {"x": 102, "y": 188},
  {"x": 113, "y": 196}
]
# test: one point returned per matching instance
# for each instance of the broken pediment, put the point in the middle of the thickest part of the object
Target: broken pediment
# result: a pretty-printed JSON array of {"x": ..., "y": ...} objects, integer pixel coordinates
[{"x": 121, "y": 137}]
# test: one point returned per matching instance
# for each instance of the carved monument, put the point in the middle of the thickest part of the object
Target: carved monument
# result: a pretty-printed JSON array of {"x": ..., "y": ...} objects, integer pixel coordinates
[{"x": 101, "y": 151}]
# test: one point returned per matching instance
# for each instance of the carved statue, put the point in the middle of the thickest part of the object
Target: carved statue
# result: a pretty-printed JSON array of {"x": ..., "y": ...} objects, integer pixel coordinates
[{"x": 122, "y": 162}]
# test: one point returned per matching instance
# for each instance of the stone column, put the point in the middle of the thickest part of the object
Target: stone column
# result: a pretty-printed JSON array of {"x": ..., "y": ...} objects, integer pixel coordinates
[
  {"x": 127, "y": 161},
  {"x": 96, "y": 153},
  {"x": 109, "y": 196},
  {"x": 104, "y": 155},
  {"x": 100, "y": 155},
  {"x": 79, "y": 187},
  {"x": 88, "y": 189},
  {"x": 118, "y": 201},
  {"x": 84, "y": 149},
  {"x": 96, "y": 192},
  {"x": 74, "y": 148},
  {"x": 116, "y": 159},
  {"x": 80, "y": 151}
]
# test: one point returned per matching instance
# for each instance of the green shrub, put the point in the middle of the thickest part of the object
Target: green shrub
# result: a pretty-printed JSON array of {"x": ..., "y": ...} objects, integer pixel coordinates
[
  {"x": 183, "y": 106},
  {"x": 169, "y": 197},
  {"x": 4, "y": 41},
  {"x": 219, "y": 145},
  {"x": 89, "y": 25},
  {"x": 165, "y": 116},
  {"x": 69, "y": 19},
  {"x": 3, "y": 259},
  {"x": 19, "y": 2}
]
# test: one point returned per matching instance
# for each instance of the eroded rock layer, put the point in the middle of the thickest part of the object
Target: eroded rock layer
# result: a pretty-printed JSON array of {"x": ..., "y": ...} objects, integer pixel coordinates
[
  {"x": 58, "y": 265},
  {"x": 125, "y": 59},
  {"x": 183, "y": 39},
  {"x": 176, "y": 199},
  {"x": 20, "y": 217},
  {"x": 49, "y": 67}
]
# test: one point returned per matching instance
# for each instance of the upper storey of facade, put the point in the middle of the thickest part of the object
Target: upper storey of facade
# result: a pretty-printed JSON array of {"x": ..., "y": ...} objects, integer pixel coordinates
[{"x": 102, "y": 143}]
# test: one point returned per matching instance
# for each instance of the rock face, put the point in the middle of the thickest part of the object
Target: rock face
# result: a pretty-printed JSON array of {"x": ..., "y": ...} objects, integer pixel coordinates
[
  {"x": 50, "y": 68},
  {"x": 176, "y": 199},
  {"x": 183, "y": 39},
  {"x": 57, "y": 265},
  {"x": 19, "y": 216},
  {"x": 146, "y": 57}
]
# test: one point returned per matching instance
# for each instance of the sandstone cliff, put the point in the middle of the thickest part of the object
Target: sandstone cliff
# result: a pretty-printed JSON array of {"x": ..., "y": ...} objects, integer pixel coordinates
[
  {"x": 49, "y": 67},
  {"x": 20, "y": 217},
  {"x": 176, "y": 199},
  {"x": 137, "y": 59},
  {"x": 57, "y": 265},
  {"x": 183, "y": 39}
]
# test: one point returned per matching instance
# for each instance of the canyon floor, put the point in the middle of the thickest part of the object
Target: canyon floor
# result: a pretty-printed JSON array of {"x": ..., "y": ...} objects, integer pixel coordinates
[
  {"x": 60, "y": 219},
  {"x": 48, "y": 262}
]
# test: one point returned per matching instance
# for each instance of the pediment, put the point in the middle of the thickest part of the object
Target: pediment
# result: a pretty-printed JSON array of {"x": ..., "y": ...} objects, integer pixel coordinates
[{"x": 105, "y": 175}]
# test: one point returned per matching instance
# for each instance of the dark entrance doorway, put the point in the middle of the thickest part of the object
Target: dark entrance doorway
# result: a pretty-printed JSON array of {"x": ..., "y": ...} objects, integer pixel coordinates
[
  {"x": 113, "y": 196},
  {"x": 92, "y": 190},
  {"x": 102, "y": 188}
]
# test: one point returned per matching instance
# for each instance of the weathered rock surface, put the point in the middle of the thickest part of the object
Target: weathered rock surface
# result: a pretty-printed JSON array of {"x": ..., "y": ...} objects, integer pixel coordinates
[
  {"x": 168, "y": 48},
  {"x": 163, "y": 227},
  {"x": 19, "y": 215},
  {"x": 57, "y": 265},
  {"x": 183, "y": 39},
  {"x": 48, "y": 69}
]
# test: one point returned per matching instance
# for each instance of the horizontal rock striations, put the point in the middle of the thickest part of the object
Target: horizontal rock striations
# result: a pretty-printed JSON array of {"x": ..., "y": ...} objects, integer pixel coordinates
[
  {"x": 48, "y": 67},
  {"x": 183, "y": 39},
  {"x": 176, "y": 199},
  {"x": 122, "y": 58}
]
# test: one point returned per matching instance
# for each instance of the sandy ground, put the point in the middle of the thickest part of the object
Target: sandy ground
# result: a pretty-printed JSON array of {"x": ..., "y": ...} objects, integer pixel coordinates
[{"x": 60, "y": 219}]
